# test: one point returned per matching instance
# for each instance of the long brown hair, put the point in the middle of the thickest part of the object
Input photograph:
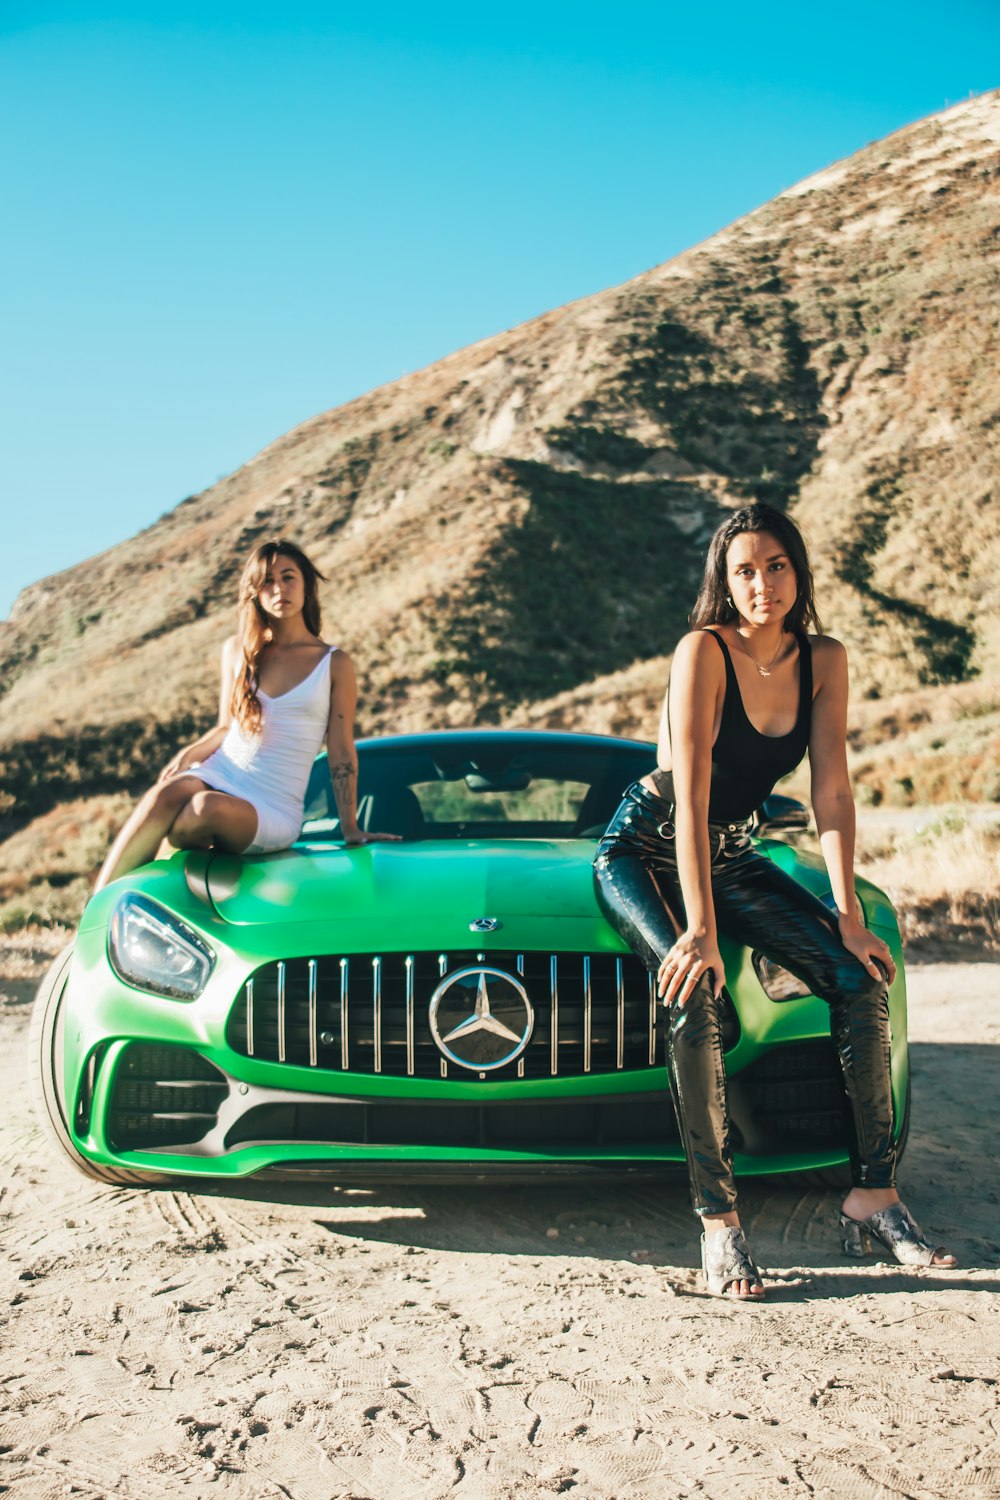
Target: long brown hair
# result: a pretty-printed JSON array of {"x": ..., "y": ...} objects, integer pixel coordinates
[
  {"x": 254, "y": 629},
  {"x": 714, "y": 605}
]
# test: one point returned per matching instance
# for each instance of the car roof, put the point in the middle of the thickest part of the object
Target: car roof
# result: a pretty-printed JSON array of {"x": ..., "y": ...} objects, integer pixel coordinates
[{"x": 549, "y": 738}]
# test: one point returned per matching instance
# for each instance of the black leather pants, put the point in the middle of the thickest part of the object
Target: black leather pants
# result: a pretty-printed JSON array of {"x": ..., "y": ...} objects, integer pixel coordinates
[{"x": 759, "y": 905}]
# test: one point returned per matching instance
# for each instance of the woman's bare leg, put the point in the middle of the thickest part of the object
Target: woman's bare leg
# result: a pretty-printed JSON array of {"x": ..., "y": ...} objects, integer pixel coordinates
[
  {"x": 150, "y": 820},
  {"x": 214, "y": 820}
]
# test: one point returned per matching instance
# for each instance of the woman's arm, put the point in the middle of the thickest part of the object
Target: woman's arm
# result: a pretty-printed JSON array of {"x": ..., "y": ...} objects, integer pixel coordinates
[
  {"x": 210, "y": 741},
  {"x": 833, "y": 803},
  {"x": 342, "y": 757},
  {"x": 697, "y": 682},
  {"x": 341, "y": 753}
]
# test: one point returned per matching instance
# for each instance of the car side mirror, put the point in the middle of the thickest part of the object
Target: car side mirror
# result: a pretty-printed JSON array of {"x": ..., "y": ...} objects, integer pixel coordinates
[{"x": 780, "y": 814}]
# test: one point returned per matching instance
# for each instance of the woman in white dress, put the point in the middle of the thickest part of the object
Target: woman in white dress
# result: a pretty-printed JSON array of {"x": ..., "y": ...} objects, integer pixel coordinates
[{"x": 241, "y": 786}]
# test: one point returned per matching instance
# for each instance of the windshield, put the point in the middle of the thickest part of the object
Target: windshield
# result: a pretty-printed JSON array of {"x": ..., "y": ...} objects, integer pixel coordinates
[{"x": 504, "y": 786}]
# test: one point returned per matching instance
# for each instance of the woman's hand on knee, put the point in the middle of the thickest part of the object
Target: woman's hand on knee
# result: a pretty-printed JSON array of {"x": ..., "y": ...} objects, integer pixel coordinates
[
  {"x": 869, "y": 950},
  {"x": 692, "y": 956},
  {"x": 176, "y": 767}
]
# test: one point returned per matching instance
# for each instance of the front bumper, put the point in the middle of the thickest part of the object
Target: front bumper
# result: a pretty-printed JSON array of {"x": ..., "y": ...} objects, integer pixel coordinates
[
  {"x": 172, "y": 1109},
  {"x": 157, "y": 1085}
]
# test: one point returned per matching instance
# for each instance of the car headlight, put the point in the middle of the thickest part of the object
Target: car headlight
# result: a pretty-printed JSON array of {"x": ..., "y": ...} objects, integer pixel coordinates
[
  {"x": 154, "y": 950},
  {"x": 776, "y": 982}
]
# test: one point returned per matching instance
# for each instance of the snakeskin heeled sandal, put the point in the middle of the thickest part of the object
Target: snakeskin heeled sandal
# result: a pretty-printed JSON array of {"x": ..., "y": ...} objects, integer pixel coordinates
[
  {"x": 894, "y": 1228},
  {"x": 725, "y": 1258}
]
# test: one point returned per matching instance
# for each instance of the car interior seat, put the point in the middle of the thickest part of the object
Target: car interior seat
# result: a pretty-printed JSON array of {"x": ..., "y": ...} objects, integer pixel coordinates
[
  {"x": 596, "y": 808},
  {"x": 394, "y": 810}
]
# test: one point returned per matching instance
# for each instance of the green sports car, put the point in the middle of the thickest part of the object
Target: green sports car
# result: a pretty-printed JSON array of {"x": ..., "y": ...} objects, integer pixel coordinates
[{"x": 454, "y": 1003}]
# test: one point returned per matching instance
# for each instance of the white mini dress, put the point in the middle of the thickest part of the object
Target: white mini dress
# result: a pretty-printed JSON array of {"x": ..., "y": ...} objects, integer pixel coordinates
[{"x": 270, "y": 769}]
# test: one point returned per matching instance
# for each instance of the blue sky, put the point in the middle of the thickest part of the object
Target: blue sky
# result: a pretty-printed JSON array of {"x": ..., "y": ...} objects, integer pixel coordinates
[{"x": 221, "y": 219}]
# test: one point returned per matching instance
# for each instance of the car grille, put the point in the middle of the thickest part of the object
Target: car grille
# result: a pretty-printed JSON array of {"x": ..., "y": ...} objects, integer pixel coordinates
[
  {"x": 162, "y": 1096},
  {"x": 368, "y": 1013}
]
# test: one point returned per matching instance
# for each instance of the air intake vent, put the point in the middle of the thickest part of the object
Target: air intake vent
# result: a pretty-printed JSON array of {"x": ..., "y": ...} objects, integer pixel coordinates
[
  {"x": 163, "y": 1096},
  {"x": 639, "y": 1122},
  {"x": 792, "y": 1099}
]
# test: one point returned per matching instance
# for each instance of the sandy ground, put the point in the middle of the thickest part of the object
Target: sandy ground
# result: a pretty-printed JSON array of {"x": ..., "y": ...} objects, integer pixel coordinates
[{"x": 315, "y": 1343}]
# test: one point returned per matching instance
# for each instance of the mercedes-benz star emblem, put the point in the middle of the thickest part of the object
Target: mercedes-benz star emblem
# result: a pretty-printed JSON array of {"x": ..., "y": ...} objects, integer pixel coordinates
[
  {"x": 481, "y": 1018},
  {"x": 484, "y": 924}
]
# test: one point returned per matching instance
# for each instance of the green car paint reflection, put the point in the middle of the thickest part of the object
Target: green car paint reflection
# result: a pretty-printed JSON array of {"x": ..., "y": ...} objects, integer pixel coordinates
[{"x": 454, "y": 1003}]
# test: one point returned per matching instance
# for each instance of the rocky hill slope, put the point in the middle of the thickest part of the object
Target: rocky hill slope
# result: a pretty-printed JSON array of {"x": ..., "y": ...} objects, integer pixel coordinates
[{"x": 515, "y": 533}]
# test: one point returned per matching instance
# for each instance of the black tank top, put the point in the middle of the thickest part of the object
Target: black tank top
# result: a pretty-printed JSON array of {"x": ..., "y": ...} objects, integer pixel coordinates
[{"x": 745, "y": 763}]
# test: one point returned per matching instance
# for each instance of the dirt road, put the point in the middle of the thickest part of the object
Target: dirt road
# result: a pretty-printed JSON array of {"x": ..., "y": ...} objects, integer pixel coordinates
[{"x": 315, "y": 1343}]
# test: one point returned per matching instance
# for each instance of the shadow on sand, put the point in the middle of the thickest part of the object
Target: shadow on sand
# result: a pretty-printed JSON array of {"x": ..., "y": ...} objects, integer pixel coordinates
[{"x": 647, "y": 1221}]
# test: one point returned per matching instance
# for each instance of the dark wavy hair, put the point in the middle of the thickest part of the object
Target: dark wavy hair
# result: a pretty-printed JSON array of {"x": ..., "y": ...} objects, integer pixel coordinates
[
  {"x": 254, "y": 628},
  {"x": 713, "y": 605}
]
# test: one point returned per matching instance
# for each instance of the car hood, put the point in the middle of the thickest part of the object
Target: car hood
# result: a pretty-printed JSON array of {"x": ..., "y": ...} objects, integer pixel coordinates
[{"x": 468, "y": 879}]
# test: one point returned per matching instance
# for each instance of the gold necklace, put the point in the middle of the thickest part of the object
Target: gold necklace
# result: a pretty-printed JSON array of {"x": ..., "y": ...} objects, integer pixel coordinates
[{"x": 762, "y": 671}]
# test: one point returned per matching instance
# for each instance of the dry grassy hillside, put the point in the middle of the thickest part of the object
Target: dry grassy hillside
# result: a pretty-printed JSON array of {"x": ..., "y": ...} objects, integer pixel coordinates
[{"x": 515, "y": 533}]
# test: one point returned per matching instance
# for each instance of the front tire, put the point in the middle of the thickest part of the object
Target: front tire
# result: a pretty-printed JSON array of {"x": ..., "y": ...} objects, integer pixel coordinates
[{"x": 45, "y": 1076}]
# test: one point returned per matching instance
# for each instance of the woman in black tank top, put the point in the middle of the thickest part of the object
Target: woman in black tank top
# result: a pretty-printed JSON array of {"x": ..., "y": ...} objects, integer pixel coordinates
[{"x": 750, "y": 693}]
